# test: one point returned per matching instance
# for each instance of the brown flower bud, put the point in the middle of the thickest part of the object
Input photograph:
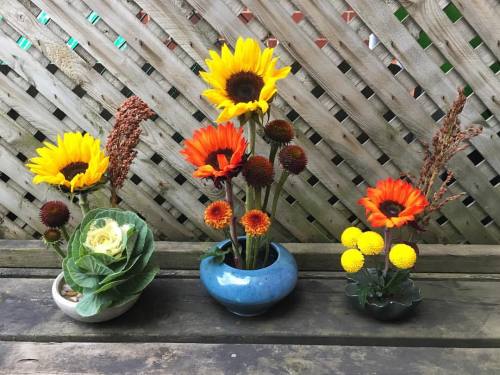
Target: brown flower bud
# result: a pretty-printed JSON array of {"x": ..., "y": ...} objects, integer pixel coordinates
[
  {"x": 258, "y": 171},
  {"x": 279, "y": 131},
  {"x": 293, "y": 159},
  {"x": 54, "y": 214}
]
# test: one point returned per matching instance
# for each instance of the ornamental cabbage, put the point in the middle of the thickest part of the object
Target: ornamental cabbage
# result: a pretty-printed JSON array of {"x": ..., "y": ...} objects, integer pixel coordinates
[{"x": 109, "y": 259}]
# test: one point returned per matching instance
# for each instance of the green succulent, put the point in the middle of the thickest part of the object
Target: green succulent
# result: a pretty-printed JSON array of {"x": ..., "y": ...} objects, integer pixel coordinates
[{"x": 109, "y": 259}]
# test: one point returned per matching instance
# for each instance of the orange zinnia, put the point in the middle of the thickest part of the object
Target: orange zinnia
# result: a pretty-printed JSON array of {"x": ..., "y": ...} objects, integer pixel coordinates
[
  {"x": 217, "y": 152},
  {"x": 255, "y": 222},
  {"x": 393, "y": 203},
  {"x": 218, "y": 214}
]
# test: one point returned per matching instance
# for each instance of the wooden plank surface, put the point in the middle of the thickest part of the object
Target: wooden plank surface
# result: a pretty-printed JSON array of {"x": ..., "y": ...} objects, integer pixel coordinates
[
  {"x": 214, "y": 359},
  {"x": 455, "y": 313},
  {"x": 310, "y": 257}
]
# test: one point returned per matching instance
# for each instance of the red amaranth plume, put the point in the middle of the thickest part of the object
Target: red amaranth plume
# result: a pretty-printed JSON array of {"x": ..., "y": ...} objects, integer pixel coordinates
[{"x": 123, "y": 139}]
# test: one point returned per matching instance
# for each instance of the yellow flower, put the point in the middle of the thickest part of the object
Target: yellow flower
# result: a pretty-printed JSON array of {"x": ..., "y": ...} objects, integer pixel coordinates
[
  {"x": 352, "y": 260},
  {"x": 244, "y": 81},
  {"x": 106, "y": 236},
  {"x": 349, "y": 237},
  {"x": 370, "y": 243},
  {"x": 76, "y": 163},
  {"x": 403, "y": 256}
]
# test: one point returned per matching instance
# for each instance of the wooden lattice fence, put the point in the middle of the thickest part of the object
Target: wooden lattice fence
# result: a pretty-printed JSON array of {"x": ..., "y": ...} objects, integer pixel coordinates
[{"x": 370, "y": 81}]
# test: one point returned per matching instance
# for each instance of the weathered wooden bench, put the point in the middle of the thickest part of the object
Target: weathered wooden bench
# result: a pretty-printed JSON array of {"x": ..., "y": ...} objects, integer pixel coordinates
[{"x": 177, "y": 328}]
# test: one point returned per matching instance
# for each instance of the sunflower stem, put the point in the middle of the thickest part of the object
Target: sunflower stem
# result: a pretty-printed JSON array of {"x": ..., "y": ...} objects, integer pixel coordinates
[
  {"x": 277, "y": 191},
  {"x": 387, "y": 247},
  {"x": 64, "y": 232},
  {"x": 232, "y": 225},
  {"x": 83, "y": 203},
  {"x": 251, "y": 134},
  {"x": 272, "y": 157}
]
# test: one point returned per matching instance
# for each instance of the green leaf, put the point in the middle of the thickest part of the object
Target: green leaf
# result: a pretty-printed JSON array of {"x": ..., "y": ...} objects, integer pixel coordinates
[
  {"x": 138, "y": 282},
  {"x": 110, "y": 285},
  {"x": 80, "y": 278},
  {"x": 92, "y": 303},
  {"x": 68, "y": 279},
  {"x": 93, "y": 266},
  {"x": 217, "y": 254},
  {"x": 121, "y": 273}
]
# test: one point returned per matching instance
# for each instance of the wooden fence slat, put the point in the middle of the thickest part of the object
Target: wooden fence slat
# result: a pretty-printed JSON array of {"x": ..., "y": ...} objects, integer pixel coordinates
[
  {"x": 429, "y": 76},
  {"x": 311, "y": 110},
  {"x": 149, "y": 47},
  {"x": 24, "y": 64},
  {"x": 374, "y": 72},
  {"x": 483, "y": 17},
  {"x": 340, "y": 88},
  {"x": 150, "y": 92},
  {"x": 457, "y": 50}
]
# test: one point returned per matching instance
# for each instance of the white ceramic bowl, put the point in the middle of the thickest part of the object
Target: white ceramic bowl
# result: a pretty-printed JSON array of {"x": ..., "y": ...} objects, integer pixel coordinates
[{"x": 69, "y": 307}]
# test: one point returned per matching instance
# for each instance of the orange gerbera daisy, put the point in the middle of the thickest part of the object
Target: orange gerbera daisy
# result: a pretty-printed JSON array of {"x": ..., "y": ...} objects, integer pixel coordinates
[
  {"x": 393, "y": 203},
  {"x": 255, "y": 222},
  {"x": 216, "y": 151},
  {"x": 218, "y": 214}
]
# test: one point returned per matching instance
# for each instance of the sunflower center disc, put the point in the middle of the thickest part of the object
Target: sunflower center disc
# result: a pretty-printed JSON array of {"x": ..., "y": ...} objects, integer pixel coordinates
[
  {"x": 212, "y": 157},
  {"x": 72, "y": 169},
  {"x": 244, "y": 87},
  {"x": 391, "y": 208}
]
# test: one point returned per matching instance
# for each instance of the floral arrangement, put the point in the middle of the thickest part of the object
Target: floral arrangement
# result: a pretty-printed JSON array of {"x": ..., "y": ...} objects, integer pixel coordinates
[
  {"x": 243, "y": 85},
  {"x": 396, "y": 204},
  {"x": 107, "y": 260}
]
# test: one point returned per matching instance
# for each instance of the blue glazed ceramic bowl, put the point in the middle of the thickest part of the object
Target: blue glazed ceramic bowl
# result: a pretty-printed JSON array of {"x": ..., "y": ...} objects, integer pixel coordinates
[{"x": 250, "y": 292}]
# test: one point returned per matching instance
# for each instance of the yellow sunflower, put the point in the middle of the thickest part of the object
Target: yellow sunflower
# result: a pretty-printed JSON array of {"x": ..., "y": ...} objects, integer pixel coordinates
[
  {"x": 244, "y": 81},
  {"x": 75, "y": 163}
]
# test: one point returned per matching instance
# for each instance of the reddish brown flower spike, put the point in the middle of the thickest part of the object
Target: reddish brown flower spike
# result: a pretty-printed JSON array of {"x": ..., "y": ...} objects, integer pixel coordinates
[
  {"x": 293, "y": 159},
  {"x": 124, "y": 137},
  {"x": 279, "y": 131},
  {"x": 54, "y": 214},
  {"x": 258, "y": 171}
]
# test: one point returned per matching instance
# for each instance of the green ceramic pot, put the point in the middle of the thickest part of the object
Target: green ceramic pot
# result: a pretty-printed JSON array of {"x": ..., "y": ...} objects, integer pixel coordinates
[{"x": 386, "y": 309}]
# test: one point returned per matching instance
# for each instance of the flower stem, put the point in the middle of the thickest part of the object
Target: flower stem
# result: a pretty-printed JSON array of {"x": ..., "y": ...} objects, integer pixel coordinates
[
  {"x": 251, "y": 135},
  {"x": 272, "y": 157},
  {"x": 387, "y": 247},
  {"x": 258, "y": 198},
  {"x": 64, "y": 232},
  {"x": 84, "y": 203},
  {"x": 232, "y": 224},
  {"x": 277, "y": 191},
  {"x": 58, "y": 250}
]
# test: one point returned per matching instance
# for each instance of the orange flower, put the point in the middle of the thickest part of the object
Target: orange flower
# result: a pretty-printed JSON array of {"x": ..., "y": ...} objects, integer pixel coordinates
[
  {"x": 393, "y": 203},
  {"x": 218, "y": 214},
  {"x": 217, "y": 152},
  {"x": 255, "y": 222}
]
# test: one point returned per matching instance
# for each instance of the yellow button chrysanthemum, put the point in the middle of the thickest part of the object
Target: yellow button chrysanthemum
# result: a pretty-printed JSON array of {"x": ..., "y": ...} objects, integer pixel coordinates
[
  {"x": 370, "y": 243},
  {"x": 349, "y": 237},
  {"x": 352, "y": 260},
  {"x": 403, "y": 256}
]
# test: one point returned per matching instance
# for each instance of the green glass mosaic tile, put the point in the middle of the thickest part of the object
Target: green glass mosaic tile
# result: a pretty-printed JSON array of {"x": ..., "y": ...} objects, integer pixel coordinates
[
  {"x": 24, "y": 43},
  {"x": 446, "y": 67},
  {"x": 452, "y": 12},
  {"x": 72, "y": 43},
  {"x": 424, "y": 40},
  {"x": 93, "y": 17},
  {"x": 43, "y": 17},
  {"x": 120, "y": 42},
  {"x": 401, "y": 14}
]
